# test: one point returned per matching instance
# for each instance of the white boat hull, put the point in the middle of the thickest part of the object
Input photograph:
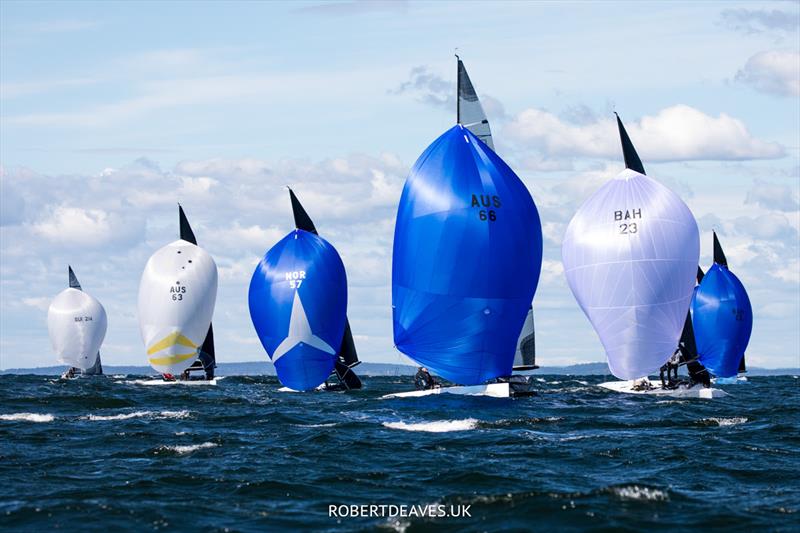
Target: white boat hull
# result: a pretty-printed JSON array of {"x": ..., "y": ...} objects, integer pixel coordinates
[
  {"x": 736, "y": 380},
  {"x": 161, "y": 382},
  {"x": 698, "y": 391},
  {"x": 493, "y": 390}
]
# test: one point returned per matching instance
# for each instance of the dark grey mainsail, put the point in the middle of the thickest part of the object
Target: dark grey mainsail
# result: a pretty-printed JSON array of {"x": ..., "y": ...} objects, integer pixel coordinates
[
  {"x": 207, "y": 359},
  {"x": 97, "y": 369},
  {"x": 525, "y": 357},
  {"x": 687, "y": 346},
  {"x": 347, "y": 356},
  {"x": 469, "y": 111},
  {"x": 719, "y": 255},
  {"x": 632, "y": 160}
]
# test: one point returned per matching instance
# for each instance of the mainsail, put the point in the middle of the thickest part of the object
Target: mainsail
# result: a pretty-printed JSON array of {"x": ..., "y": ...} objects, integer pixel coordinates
[
  {"x": 77, "y": 323},
  {"x": 630, "y": 255},
  {"x": 722, "y": 317},
  {"x": 469, "y": 111},
  {"x": 207, "y": 360},
  {"x": 298, "y": 303},
  {"x": 688, "y": 345},
  {"x": 347, "y": 356},
  {"x": 466, "y": 260},
  {"x": 177, "y": 294},
  {"x": 525, "y": 358}
]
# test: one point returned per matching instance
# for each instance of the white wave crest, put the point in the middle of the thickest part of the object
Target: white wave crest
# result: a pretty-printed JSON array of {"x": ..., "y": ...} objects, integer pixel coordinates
[
  {"x": 28, "y": 417},
  {"x": 635, "y": 492},
  {"x": 440, "y": 426},
  {"x": 733, "y": 421},
  {"x": 140, "y": 414},
  {"x": 183, "y": 450}
]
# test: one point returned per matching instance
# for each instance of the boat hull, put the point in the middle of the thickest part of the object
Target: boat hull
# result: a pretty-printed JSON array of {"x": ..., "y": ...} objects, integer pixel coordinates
[
  {"x": 492, "y": 390},
  {"x": 698, "y": 391},
  {"x": 161, "y": 382}
]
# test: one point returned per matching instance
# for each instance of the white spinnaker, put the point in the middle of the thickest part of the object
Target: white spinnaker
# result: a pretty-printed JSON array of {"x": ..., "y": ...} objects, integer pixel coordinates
[
  {"x": 77, "y": 325},
  {"x": 176, "y": 303},
  {"x": 630, "y": 256}
]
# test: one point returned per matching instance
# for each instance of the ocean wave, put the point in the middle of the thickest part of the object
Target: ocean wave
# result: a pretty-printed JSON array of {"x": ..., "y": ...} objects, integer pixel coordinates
[
  {"x": 28, "y": 417},
  {"x": 184, "y": 449},
  {"x": 635, "y": 492},
  {"x": 439, "y": 426},
  {"x": 721, "y": 422},
  {"x": 140, "y": 414}
]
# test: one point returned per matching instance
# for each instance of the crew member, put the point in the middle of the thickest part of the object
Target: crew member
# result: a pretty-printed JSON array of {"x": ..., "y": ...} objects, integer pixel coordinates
[{"x": 423, "y": 379}]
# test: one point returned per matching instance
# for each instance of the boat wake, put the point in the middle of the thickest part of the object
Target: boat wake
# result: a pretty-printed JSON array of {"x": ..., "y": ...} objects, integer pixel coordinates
[
  {"x": 635, "y": 492},
  {"x": 186, "y": 449},
  {"x": 27, "y": 417},
  {"x": 140, "y": 414},
  {"x": 722, "y": 422},
  {"x": 439, "y": 426}
]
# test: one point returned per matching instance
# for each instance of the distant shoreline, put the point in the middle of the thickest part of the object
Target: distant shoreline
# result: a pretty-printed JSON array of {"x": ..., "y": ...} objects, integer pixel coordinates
[{"x": 264, "y": 368}]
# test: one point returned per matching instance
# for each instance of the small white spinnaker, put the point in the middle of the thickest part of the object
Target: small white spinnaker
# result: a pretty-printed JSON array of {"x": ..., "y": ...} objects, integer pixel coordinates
[{"x": 77, "y": 323}]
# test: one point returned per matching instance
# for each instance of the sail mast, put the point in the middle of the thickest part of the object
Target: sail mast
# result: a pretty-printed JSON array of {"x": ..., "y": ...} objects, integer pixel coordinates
[
  {"x": 632, "y": 160},
  {"x": 459, "y": 66}
]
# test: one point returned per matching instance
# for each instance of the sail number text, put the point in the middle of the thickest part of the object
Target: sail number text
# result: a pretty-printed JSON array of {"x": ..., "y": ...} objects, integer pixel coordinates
[
  {"x": 83, "y": 319},
  {"x": 487, "y": 205},
  {"x": 624, "y": 217},
  {"x": 295, "y": 278},
  {"x": 177, "y": 292}
]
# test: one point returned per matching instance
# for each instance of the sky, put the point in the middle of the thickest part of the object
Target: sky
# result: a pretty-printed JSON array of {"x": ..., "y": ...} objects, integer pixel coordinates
[{"x": 113, "y": 112}]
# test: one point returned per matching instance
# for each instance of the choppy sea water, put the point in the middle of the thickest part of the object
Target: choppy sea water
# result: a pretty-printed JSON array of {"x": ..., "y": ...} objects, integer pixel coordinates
[{"x": 94, "y": 454}]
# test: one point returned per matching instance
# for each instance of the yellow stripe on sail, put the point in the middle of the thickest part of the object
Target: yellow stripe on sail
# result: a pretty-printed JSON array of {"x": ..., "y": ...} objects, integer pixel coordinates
[
  {"x": 172, "y": 359},
  {"x": 171, "y": 340}
]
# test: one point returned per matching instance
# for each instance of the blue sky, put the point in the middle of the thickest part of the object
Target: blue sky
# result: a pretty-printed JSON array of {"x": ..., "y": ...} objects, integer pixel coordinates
[{"x": 111, "y": 113}]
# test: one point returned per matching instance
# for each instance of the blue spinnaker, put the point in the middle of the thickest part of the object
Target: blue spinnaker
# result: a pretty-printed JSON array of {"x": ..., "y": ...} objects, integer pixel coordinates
[
  {"x": 723, "y": 320},
  {"x": 298, "y": 302},
  {"x": 466, "y": 261}
]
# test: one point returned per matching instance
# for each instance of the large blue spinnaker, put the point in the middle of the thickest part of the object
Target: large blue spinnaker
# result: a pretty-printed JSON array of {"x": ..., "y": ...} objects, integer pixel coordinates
[
  {"x": 466, "y": 261},
  {"x": 722, "y": 318},
  {"x": 298, "y": 302}
]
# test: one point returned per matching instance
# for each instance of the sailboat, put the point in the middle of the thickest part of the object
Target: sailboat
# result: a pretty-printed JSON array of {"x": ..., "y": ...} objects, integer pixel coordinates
[
  {"x": 466, "y": 261},
  {"x": 343, "y": 376},
  {"x": 77, "y": 323},
  {"x": 298, "y": 305},
  {"x": 470, "y": 114},
  {"x": 630, "y": 254},
  {"x": 177, "y": 294},
  {"x": 722, "y": 318}
]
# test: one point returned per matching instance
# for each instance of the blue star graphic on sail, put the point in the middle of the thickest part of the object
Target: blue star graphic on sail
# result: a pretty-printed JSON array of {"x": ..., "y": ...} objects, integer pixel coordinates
[{"x": 300, "y": 332}]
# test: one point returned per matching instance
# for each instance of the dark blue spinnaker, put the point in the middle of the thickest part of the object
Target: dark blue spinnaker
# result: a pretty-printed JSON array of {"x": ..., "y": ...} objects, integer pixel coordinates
[
  {"x": 298, "y": 302},
  {"x": 722, "y": 318},
  {"x": 466, "y": 261}
]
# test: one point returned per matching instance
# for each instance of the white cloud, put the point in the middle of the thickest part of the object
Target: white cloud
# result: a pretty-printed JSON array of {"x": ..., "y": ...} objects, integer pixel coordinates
[
  {"x": 751, "y": 21},
  {"x": 774, "y": 71},
  {"x": 772, "y": 196},
  {"x": 93, "y": 228},
  {"x": 676, "y": 133}
]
